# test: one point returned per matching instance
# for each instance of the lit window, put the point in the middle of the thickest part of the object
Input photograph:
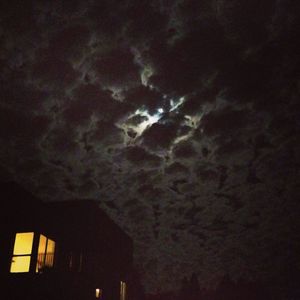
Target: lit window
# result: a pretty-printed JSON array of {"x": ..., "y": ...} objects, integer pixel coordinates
[
  {"x": 98, "y": 293},
  {"x": 49, "y": 259},
  {"x": 46, "y": 249},
  {"x": 122, "y": 290},
  {"x": 22, "y": 252}
]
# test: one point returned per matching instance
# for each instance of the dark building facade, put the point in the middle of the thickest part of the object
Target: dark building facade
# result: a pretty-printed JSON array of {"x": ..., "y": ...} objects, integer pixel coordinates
[{"x": 61, "y": 250}]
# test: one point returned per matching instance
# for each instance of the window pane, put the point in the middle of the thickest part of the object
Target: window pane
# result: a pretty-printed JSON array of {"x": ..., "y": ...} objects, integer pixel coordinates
[
  {"x": 50, "y": 253},
  {"x": 50, "y": 247},
  {"x": 42, "y": 244},
  {"x": 20, "y": 264},
  {"x": 23, "y": 243},
  {"x": 80, "y": 262},
  {"x": 98, "y": 293},
  {"x": 122, "y": 290},
  {"x": 41, "y": 252}
]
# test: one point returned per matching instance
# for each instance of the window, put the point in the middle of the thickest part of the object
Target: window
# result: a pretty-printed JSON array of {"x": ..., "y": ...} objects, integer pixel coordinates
[
  {"x": 122, "y": 290},
  {"x": 75, "y": 261},
  {"x": 98, "y": 293},
  {"x": 80, "y": 263},
  {"x": 22, "y": 252},
  {"x": 45, "y": 258}
]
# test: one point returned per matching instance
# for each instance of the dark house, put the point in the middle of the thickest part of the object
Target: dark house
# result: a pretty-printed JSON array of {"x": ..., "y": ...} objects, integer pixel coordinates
[{"x": 60, "y": 250}]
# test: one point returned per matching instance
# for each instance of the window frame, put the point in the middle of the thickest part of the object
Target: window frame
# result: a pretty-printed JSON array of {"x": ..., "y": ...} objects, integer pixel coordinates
[
  {"x": 40, "y": 266},
  {"x": 123, "y": 290},
  {"x": 38, "y": 256},
  {"x": 25, "y": 254}
]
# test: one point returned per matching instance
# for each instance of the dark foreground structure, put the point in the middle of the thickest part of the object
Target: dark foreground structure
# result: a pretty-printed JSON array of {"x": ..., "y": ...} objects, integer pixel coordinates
[{"x": 62, "y": 250}]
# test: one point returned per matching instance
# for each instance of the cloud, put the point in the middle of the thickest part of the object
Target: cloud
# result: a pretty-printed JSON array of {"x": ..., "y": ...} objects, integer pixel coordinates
[
  {"x": 184, "y": 150},
  {"x": 182, "y": 113},
  {"x": 16, "y": 125},
  {"x": 140, "y": 157},
  {"x": 60, "y": 73},
  {"x": 176, "y": 168},
  {"x": 23, "y": 98},
  {"x": 143, "y": 96},
  {"x": 60, "y": 140},
  {"x": 223, "y": 122},
  {"x": 105, "y": 134},
  {"x": 117, "y": 68},
  {"x": 90, "y": 100},
  {"x": 67, "y": 43},
  {"x": 159, "y": 136}
]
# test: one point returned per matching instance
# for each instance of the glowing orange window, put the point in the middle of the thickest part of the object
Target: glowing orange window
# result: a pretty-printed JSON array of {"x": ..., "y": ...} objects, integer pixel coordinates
[
  {"x": 22, "y": 252},
  {"x": 46, "y": 250}
]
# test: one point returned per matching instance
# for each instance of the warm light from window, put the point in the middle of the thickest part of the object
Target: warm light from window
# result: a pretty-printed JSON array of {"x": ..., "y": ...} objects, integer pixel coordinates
[
  {"x": 20, "y": 264},
  {"x": 41, "y": 252},
  {"x": 46, "y": 251},
  {"x": 23, "y": 243},
  {"x": 49, "y": 260},
  {"x": 98, "y": 293},
  {"x": 22, "y": 251},
  {"x": 122, "y": 290}
]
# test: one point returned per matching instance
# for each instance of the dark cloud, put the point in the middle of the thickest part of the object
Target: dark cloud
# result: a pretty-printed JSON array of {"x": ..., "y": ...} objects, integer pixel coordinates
[
  {"x": 149, "y": 191},
  {"x": 67, "y": 43},
  {"x": 33, "y": 165},
  {"x": 136, "y": 120},
  {"x": 206, "y": 173},
  {"x": 59, "y": 74},
  {"x": 92, "y": 100},
  {"x": 140, "y": 156},
  {"x": 233, "y": 201},
  {"x": 23, "y": 98},
  {"x": 144, "y": 96},
  {"x": 117, "y": 68},
  {"x": 105, "y": 20},
  {"x": 149, "y": 26},
  {"x": 239, "y": 22},
  {"x": 16, "y": 18},
  {"x": 192, "y": 61},
  {"x": 159, "y": 136},
  {"x": 194, "y": 103},
  {"x": 178, "y": 185},
  {"x": 226, "y": 121},
  {"x": 5, "y": 174},
  {"x": 106, "y": 133},
  {"x": 60, "y": 140},
  {"x": 131, "y": 203},
  {"x": 252, "y": 177},
  {"x": 176, "y": 168},
  {"x": 184, "y": 150},
  {"x": 16, "y": 125},
  {"x": 229, "y": 147}
]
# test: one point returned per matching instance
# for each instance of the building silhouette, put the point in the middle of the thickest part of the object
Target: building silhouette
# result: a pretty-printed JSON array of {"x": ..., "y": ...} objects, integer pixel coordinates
[{"x": 61, "y": 250}]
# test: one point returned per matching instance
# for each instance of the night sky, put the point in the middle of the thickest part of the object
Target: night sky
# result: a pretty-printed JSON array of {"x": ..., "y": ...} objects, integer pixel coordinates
[{"x": 180, "y": 117}]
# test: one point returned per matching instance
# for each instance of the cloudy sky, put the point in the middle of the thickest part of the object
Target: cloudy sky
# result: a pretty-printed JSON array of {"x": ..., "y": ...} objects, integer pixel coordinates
[{"x": 180, "y": 117}]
